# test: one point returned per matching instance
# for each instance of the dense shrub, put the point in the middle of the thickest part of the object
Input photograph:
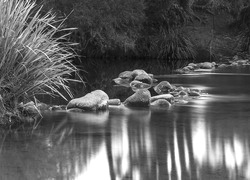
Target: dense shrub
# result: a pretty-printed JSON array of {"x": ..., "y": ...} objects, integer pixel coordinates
[{"x": 33, "y": 58}]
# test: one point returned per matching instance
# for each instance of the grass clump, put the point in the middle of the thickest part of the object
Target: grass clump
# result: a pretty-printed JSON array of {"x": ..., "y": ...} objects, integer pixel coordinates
[{"x": 34, "y": 58}]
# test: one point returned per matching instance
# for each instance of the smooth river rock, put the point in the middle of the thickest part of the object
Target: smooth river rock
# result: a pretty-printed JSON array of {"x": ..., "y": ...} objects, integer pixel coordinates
[
  {"x": 96, "y": 100},
  {"x": 140, "y": 98},
  {"x": 168, "y": 97},
  {"x": 163, "y": 87}
]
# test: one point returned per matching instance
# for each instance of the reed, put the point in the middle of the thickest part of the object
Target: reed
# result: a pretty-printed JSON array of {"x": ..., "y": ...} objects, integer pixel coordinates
[{"x": 34, "y": 55}]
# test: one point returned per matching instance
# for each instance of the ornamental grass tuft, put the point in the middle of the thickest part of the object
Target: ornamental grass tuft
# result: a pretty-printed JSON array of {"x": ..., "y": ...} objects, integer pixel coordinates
[{"x": 35, "y": 57}]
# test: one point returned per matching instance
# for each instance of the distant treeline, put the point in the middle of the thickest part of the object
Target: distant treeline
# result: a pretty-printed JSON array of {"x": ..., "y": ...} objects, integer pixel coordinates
[{"x": 136, "y": 28}]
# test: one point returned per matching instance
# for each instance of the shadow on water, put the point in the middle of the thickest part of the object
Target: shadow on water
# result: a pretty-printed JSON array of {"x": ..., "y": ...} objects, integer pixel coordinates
[{"x": 208, "y": 138}]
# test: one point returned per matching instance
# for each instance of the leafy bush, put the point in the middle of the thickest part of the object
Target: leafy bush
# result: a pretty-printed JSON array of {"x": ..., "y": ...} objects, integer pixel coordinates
[{"x": 34, "y": 59}]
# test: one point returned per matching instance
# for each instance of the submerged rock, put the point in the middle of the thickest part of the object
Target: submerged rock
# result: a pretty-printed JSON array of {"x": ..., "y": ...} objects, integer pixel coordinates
[
  {"x": 140, "y": 98},
  {"x": 96, "y": 100}
]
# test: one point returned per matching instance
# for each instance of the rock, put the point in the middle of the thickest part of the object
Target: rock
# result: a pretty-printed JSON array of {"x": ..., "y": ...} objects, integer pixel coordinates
[
  {"x": 77, "y": 110},
  {"x": 160, "y": 103},
  {"x": 163, "y": 87},
  {"x": 195, "y": 66},
  {"x": 137, "y": 72},
  {"x": 242, "y": 62},
  {"x": 181, "y": 101},
  {"x": 235, "y": 58},
  {"x": 57, "y": 108},
  {"x": 168, "y": 97},
  {"x": 222, "y": 66},
  {"x": 180, "y": 88},
  {"x": 42, "y": 106},
  {"x": 28, "y": 109},
  {"x": 96, "y": 100},
  {"x": 186, "y": 69},
  {"x": 191, "y": 68},
  {"x": 144, "y": 78},
  {"x": 193, "y": 93},
  {"x": 64, "y": 107},
  {"x": 183, "y": 93},
  {"x": 181, "y": 71},
  {"x": 121, "y": 92},
  {"x": 140, "y": 98},
  {"x": 174, "y": 93},
  {"x": 136, "y": 85},
  {"x": 234, "y": 64},
  {"x": 152, "y": 77},
  {"x": 206, "y": 65},
  {"x": 114, "y": 102},
  {"x": 142, "y": 81},
  {"x": 124, "y": 78}
]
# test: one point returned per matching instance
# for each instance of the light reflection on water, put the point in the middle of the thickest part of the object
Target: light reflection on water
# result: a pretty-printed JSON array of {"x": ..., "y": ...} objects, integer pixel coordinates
[{"x": 208, "y": 138}]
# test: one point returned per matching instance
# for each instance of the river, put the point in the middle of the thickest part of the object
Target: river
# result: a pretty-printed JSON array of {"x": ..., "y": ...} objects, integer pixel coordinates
[{"x": 206, "y": 139}]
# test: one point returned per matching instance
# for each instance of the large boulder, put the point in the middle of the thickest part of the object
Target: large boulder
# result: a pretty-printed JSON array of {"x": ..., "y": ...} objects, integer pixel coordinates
[
  {"x": 140, "y": 98},
  {"x": 96, "y": 100}
]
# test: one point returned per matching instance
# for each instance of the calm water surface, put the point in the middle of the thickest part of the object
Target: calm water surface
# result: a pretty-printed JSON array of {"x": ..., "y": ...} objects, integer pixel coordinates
[{"x": 206, "y": 139}]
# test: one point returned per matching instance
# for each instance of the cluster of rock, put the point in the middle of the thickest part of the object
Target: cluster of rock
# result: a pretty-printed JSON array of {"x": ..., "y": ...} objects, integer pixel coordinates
[
  {"x": 234, "y": 65},
  {"x": 196, "y": 67},
  {"x": 229, "y": 65},
  {"x": 146, "y": 94}
]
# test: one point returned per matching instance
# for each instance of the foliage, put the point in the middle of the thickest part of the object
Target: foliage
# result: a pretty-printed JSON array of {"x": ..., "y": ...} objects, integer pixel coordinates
[
  {"x": 34, "y": 59},
  {"x": 243, "y": 22},
  {"x": 103, "y": 25},
  {"x": 231, "y": 6},
  {"x": 164, "y": 37}
]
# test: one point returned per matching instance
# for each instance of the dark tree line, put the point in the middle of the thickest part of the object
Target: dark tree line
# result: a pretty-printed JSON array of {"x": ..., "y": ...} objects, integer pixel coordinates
[{"x": 138, "y": 28}]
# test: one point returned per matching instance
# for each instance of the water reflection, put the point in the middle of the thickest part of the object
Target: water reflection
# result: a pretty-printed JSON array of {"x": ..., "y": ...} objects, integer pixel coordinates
[{"x": 208, "y": 138}]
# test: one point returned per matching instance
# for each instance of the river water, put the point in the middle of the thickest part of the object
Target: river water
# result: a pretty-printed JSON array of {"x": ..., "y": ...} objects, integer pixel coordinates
[{"x": 206, "y": 139}]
